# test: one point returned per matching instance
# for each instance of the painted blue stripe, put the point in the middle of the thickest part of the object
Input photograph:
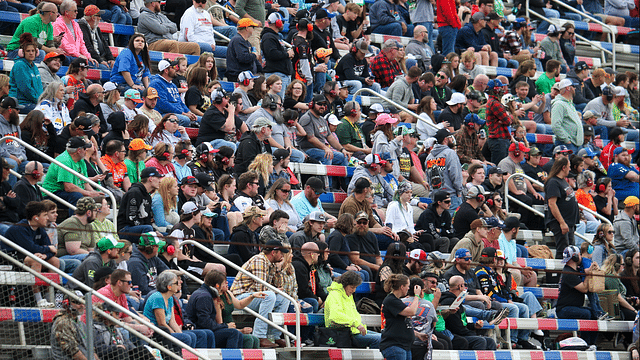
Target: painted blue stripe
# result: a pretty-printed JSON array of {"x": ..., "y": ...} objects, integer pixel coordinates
[
  {"x": 27, "y": 315},
  {"x": 231, "y": 354},
  {"x": 8, "y": 16},
  {"x": 536, "y": 263},
  {"x": 121, "y": 29},
  {"x": 581, "y": 25},
  {"x": 327, "y": 198},
  {"x": 537, "y": 292},
  {"x": 364, "y": 288},
  {"x": 568, "y": 324},
  {"x": 502, "y": 355},
  {"x": 504, "y": 72},
  {"x": 467, "y": 355},
  {"x": 603, "y": 355},
  {"x": 315, "y": 319},
  {"x": 350, "y": 170},
  {"x": 552, "y": 355}
]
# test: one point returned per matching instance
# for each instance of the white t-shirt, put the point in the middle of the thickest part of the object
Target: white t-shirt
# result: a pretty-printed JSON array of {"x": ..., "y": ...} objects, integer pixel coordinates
[{"x": 196, "y": 26}]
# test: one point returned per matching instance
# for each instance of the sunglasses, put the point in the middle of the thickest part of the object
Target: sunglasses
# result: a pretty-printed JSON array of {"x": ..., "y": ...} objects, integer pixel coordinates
[
  {"x": 611, "y": 232},
  {"x": 363, "y": 222},
  {"x": 467, "y": 259},
  {"x": 447, "y": 201},
  {"x": 498, "y": 199},
  {"x": 286, "y": 191},
  {"x": 440, "y": 76},
  {"x": 255, "y": 183},
  {"x": 175, "y": 121},
  {"x": 127, "y": 282}
]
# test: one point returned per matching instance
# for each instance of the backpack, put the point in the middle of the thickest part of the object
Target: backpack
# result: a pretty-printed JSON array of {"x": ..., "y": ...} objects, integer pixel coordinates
[{"x": 367, "y": 306}]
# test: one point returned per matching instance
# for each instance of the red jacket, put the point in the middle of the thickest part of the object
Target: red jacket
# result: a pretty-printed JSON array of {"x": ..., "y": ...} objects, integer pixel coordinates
[{"x": 447, "y": 14}]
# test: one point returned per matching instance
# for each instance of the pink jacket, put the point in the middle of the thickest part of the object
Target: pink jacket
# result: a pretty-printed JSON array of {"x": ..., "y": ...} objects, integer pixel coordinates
[{"x": 70, "y": 46}]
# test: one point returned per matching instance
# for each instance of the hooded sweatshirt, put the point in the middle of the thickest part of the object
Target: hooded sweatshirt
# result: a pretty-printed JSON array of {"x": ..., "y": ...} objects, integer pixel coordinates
[
  {"x": 11, "y": 147},
  {"x": 118, "y": 125},
  {"x": 155, "y": 26},
  {"x": 307, "y": 279},
  {"x": 135, "y": 207},
  {"x": 275, "y": 55},
  {"x": 380, "y": 188},
  {"x": 84, "y": 104},
  {"x": 200, "y": 309},
  {"x": 144, "y": 272},
  {"x": 444, "y": 171},
  {"x": 34, "y": 241},
  {"x": 383, "y": 12},
  {"x": 340, "y": 309},
  {"x": 583, "y": 93},
  {"x": 90, "y": 264},
  {"x": 430, "y": 222},
  {"x": 169, "y": 100},
  {"x": 24, "y": 81},
  {"x": 243, "y": 235},
  {"x": 46, "y": 75},
  {"x": 248, "y": 149}
]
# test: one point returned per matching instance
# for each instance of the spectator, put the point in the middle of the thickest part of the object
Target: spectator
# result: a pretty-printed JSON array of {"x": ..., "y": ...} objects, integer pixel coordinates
[
  {"x": 159, "y": 30},
  {"x": 68, "y": 338},
  {"x": 76, "y": 78},
  {"x": 613, "y": 8},
  {"x": 196, "y": 26},
  {"x": 467, "y": 140},
  {"x": 626, "y": 227},
  {"x": 89, "y": 102},
  {"x": 443, "y": 168},
  {"x": 222, "y": 161},
  {"x": 97, "y": 47},
  {"x": 253, "y": 143},
  {"x": 169, "y": 97},
  {"x": 551, "y": 46},
  {"x": 339, "y": 248},
  {"x": 40, "y": 26},
  {"x": 605, "y": 200},
  {"x": 469, "y": 211},
  {"x": 161, "y": 159},
  {"x": 370, "y": 170},
  {"x": 308, "y": 200},
  {"x": 244, "y": 237},
  {"x": 75, "y": 235},
  {"x": 247, "y": 193},
  {"x": 353, "y": 69},
  {"x": 441, "y": 92},
  {"x": 112, "y": 101},
  {"x": 565, "y": 120},
  {"x": 384, "y": 66},
  {"x": 135, "y": 159},
  {"x": 217, "y": 122},
  {"x": 184, "y": 154},
  {"x": 277, "y": 199},
  {"x": 420, "y": 47},
  {"x": 24, "y": 79},
  {"x": 241, "y": 55},
  {"x": 630, "y": 272},
  {"x": 27, "y": 188},
  {"x": 453, "y": 113},
  {"x": 363, "y": 244},
  {"x": 277, "y": 59},
  {"x": 104, "y": 255},
  {"x": 470, "y": 37},
  {"x": 144, "y": 265},
  {"x": 245, "y": 84},
  {"x": 263, "y": 266},
  {"x": 72, "y": 44},
  {"x": 104, "y": 227},
  {"x": 499, "y": 121},
  {"x": 323, "y": 39},
  {"x": 49, "y": 69},
  {"x": 131, "y": 67},
  {"x": 13, "y": 152},
  {"x": 401, "y": 92},
  {"x": 579, "y": 74},
  {"x": 435, "y": 221},
  {"x": 280, "y": 160},
  {"x": 385, "y": 20},
  {"x": 313, "y": 226},
  {"x": 603, "y": 245},
  {"x": 113, "y": 160},
  {"x": 136, "y": 214},
  {"x": 306, "y": 277},
  {"x": 546, "y": 81}
]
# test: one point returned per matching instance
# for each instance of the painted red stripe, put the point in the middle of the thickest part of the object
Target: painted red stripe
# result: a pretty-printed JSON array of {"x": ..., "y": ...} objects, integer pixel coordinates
[
  {"x": 252, "y": 354},
  {"x": 106, "y": 27},
  {"x": 48, "y": 314},
  {"x": 485, "y": 355},
  {"x": 188, "y": 355},
  {"x": 6, "y": 314},
  {"x": 336, "y": 354},
  {"x": 595, "y": 27},
  {"x": 338, "y": 198},
  {"x": 550, "y": 293},
  {"x": 547, "y": 324},
  {"x": 537, "y": 355},
  {"x": 335, "y": 170},
  {"x": 569, "y": 355},
  {"x": 51, "y": 276},
  {"x": 588, "y": 325}
]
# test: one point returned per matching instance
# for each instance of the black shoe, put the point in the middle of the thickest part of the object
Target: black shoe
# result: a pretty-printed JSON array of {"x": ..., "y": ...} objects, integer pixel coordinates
[{"x": 525, "y": 344}]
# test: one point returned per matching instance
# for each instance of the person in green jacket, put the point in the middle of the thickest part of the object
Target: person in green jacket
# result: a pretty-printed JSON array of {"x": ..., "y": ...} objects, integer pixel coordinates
[
  {"x": 135, "y": 159},
  {"x": 24, "y": 80},
  {"x": 565, "y": 120},
  {"x": 340, "y": 310}
]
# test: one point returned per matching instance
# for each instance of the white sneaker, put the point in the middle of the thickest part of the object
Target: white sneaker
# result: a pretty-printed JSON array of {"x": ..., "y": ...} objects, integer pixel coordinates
[
  {"x": 592, "y": 348},
  {"x": 538, "y": 333},
  {"x": 43, "y": 303}
]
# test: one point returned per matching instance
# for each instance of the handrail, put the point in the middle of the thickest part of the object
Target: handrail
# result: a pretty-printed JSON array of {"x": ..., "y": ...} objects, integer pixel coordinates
[
  {"x": 612, "y": 34},
  {"x": 584, "y": 208},
  {"x": 85, "y": 288},
  {"x": 364, "y": 89},
  {"x": 49, "y": 193},
  {"x": 83, "y": 177},
  {"x": 218, "y": 6},
  {"x": 507, "y": 197},
  {"x": 220, "y": 35},
  {"x": 293, "y": 301}
]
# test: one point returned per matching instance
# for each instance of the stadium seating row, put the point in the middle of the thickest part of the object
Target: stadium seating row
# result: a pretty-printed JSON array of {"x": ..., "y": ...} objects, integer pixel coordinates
[{"x": 362, "y": 354}]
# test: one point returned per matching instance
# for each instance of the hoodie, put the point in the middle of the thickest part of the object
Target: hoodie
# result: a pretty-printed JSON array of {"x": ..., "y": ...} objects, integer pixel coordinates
[
  {"x": 34, "y": 241},
  {"x": 583, "y": 93},
  {"x": 90, "y": 264},
  {"x": 243, "y": 235},
  {"x": 307, "y": 279},
  {"x": 11, "y": 147},
  {"x": 340, "y": 309},
  {"x": 169, "y": 100},
  {"x": 118, "y": 125},
  {"x": 155, "y": 26},
  {"x": 135, "y": 207},
  {"x": 248, "y": 149},
  {"x": 25, "y": 83},
  {"x": 456, "y": 322},
  {"x": 434, "y": 224},
  {"x": 275, "y": 55},
  {"x": 380, "y": 188},
  {"x": 144, "y": 272},
  {"x": 444, "y": 171},
  {"x": 383, "y": 12},
  {"x": 381, "y": 145},
  {"x": 84, "y": 104},
  {"x": 46, "y": 75},
  {"x": 200, "y": 309}
]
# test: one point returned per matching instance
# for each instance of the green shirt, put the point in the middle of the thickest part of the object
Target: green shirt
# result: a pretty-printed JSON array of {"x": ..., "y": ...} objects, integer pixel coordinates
[
  {"x": 349, "y": 133},
  {"x": 566, "y": 122},
  {"x": 57, "y": 176},
  {"x": 132, "y": 172},
  {"x": 440, "y": 325},
  {"x": 72, "y": 230},
  {"x": 611, "y": 283},
  {"x": 33, "y": 24},
  {"x": 544, "y": 84}
]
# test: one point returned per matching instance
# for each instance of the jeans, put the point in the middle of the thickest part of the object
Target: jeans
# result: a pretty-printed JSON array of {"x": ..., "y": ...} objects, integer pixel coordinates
[
  {"x": 18, "y": 168},
  {"x": 543, "y": 26},
  {"x": 355, "y": 85},
  {"x": 309, "y": 95},
  {"x": 296, "y": 155},
  {"x": 217, "y": 143},
  {"x": 228, "y": 31},
  {"x": 478, "y": 313},
  {"x": 384, "y": 241},
  {"x": 134, "y": 232},
  {"x": 518, "y": 310},
  {"x": 370, "y": 340},
  {"x": 319, "y": 79},
  {"x": 631, "y": 135},
  {"x": 306, "y": 332},
  {"x": 521, "y": 251},
  {"x": 286, "y": 80},
  {"x": 579, "y": 312},
  {"x": 396, "y": 353},
  {"x": 594, "y": 303},
  {"x": 448, "y": 34},
  {"x": 219, "y": 52},
  {"x": 69, "y": 259},
  {"x": 69, "y": 265},
  {"x": 499, "y": 149},
  {"x": 480, "y": 343},
  {"x": 230, "y": 338},
  {"x": 629, "y": 21},
  {"x": 188, "y": 338},
  {"x": 116, "y": 15},
  {"x": 363, "y": 273},
  {"x": 456, "y": 201},
  {"x": 70, "y": 197},
  {"x": 508, "y": 63},
  {"x": 271, "y": 303},
  {"x": 601, "y": 130},
  {"x": 319, "y": 155},
  {"x": 389, "y": 29}
]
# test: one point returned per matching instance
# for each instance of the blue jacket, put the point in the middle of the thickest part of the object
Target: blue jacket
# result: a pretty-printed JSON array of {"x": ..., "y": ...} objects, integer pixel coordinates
[
  {"x": 240, "y": 58},
  {"x": 468, "y": 37},
  {"x": 34, "y": 241},
  {"x": 383, "y": 12},
  {"x": 169, "y": 100},
  {"x": 200, "y": 309}
]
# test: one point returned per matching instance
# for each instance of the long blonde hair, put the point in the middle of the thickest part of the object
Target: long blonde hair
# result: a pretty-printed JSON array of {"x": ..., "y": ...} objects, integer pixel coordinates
[
  {"x": 169, "y": 202},
  {"x": 608, "y": 266},
  {"x": 261, "y": 165}
]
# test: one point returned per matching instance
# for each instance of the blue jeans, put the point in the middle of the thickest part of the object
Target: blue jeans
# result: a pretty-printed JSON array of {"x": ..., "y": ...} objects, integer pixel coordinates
[
  {"x": 204, "y": 338},
  {"x": 286, "y": 80},
  {"x": 69, "y": 265},
  {"x": 631, "y": 134},
  {"x": 70, "y": 259},
  {"x": 221, "y": 231},
  {"x": 116, "y": 15},
  {"x": 230, "y": 338},
  {"x": 134, "y": 232},
  {"x": 355, "y": 85},
  {"x": 518, "y": 310},
  {"x": 70, "y": 197},
  {"x": 521, "y": 251},
  {"x": 319, "y": 79},
  {"x": 448, "y": 34},
  {"x": 183, "y": 120},
  {"x": 271, "y": 303},
  {"x": 389, "y": 29},
  {"x": 363, "y": 273},
  {"x": 370, "y": 340},
  {"x": 478, "y": 313},
  {"x": 499, "y": 149},
  {"x": 456, "y": 201},
  {"x": 228, "y": 31},
  {"x": 217, "y": 143},
  {"x": 601, "y": 130},
  {"x": 629, "y": 21},
  {"x": 309, "y": 95},
  {"x": 543, "y": 26},
  {"x": 219, "y": 52},
  {"x": 396, "y": 353},
  {"x": 580, "y": 312},
  {"x": 186, "y": 337},
  {"x": 318, "y": 154},
  {"x": 384, "y": 241},
  {"x": 508, "y": 63},
  {"x": 594, "y": 303}
]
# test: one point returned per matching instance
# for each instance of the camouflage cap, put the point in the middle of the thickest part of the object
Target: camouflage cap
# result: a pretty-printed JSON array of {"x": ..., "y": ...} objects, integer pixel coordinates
[{"x": 85, "y": 204}]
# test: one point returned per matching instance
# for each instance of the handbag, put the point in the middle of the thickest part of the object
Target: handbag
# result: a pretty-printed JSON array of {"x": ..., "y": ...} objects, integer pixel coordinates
[
  {"x": 596, "y": 281},
  {"x": 339, "y": 337}
]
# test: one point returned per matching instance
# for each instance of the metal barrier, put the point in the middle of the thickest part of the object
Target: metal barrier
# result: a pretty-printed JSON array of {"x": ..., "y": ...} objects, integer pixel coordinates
[
  {"x": 114, "y": 204},
  {"x": 293, "y": 301},
  {"x": 49, "y": 193},
  {"x": 90, "y": 292},
  {"x": 217, "y": 6},
  {"x": 396, "y": 105}
]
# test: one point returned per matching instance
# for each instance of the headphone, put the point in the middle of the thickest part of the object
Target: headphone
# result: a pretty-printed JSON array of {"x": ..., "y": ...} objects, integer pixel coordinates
[
  {"x": 35, "y": 173},
  {"x": 396, "y": 248},
  {"x": 628, "y": 258},
  {"x": 278, "y": 22},
  {"x": 601, "y": 186},
  {"x": 165, "y": 155},
  {"x": 618, "y": 263},
  {"x": 350, "y": 109},
  {"x": 375, "y": 166},
  {"x": 223, "y": 159},
  {"x": 329, "y": 88},
  {"x": 490, "y": 202},
  {"x": 356, "y": 45},
  {"x": 184, "y": 152},
  {"x": 169, "y": 249},
  {"x": 589, "y": 182},
  {"x": 590, "y": 249},
  {"x": 305, "y": 23},
  {"x": 271, "y": 102},
  {"x": 517, "y": 152},
  {"x": 609, "y": 93},
  {"x": 576, "y": 255},
  {"x": 203, "y": 151},
  {"x": 218, "y": 94},
  {"x": 480, "y": 197}
]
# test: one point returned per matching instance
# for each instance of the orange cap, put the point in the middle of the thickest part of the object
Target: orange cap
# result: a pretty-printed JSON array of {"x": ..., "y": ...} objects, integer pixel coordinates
[
  {"x": 138, "y": 144},
  {"x": 245, "y": 22}
]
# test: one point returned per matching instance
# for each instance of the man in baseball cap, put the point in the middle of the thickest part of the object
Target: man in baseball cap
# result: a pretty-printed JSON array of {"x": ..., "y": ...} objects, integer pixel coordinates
[
  {"x": 371, "y": 170},
  {"x": 245, "y": 39},
  {"x": 49, "y": 73},
  {"x": 525, "y": 192},
  {"x": 559, "y": 151},
  {"x": 624, "y": 177}
]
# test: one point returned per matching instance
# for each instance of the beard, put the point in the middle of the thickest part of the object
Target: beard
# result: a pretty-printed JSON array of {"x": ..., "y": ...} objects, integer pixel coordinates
[
  {"x": 278, "y": 117},
  {"x": 14, "y": 118},
  {"x": 362, "y": 230}
]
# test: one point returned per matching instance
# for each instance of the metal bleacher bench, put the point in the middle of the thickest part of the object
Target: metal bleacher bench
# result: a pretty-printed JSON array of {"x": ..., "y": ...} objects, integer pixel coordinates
[{"x": 374, "y": 354}]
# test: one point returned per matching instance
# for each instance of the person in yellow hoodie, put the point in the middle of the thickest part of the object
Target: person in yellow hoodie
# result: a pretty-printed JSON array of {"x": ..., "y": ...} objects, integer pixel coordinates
[{"x": 340, "y": 310}]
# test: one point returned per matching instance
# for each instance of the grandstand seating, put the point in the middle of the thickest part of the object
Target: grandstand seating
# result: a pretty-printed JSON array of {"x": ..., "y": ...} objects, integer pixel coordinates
[
  {"x": 365, "y": 354},
  {"x": 235, "y": 354}
]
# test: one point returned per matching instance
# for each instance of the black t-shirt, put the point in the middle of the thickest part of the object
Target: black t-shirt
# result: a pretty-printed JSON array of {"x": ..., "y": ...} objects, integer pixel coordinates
[
  {"x": 397, "y": 328},
  {"x": 194, "y": 97},
  {"x": 568, "y": 295},
  {"x": 454, "y": 120},
  {"x": 405, "y": 162},
  {"x": 463, "y": 219},
  {"x": 211, "y": 125},
  {"x": 367, "y": 245},
  {"x": 180, "y": 82},
  {"x": 566, "y": 201},
  {"x": 601, "y": 203},
  {"x": 346, "y": 27},
  {"x": 535, "y": 172},
  {"x": 337, "y": 107},
  {"x": 367, "y": 128},
  {"x": 470, "y": 278},
  {"x": 289, "y": 103}
]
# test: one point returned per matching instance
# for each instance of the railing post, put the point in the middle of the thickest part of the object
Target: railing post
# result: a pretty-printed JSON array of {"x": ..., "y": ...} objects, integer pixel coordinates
[
  {"x": 88, "y": 304},
  {"x": 394, "y": 104}
]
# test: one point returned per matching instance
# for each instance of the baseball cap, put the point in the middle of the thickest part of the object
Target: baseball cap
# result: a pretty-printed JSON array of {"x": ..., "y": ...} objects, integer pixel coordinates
[
  {"x": 569, "y": 252},
  {"x": 391, "y": 44},
  {"x": 477, "y": 223},
  {"x": 478, "y": 16},
  {"x": 274, "y": 244},
  {"x": 246, "y": 75},
  {"x": 500, "y": 254},
  {"x": 497, "y": 170},
  {"x": 392, "y": 110},
  {"x": 562, "y": 149},
  {"x": 332, "y": 119},
  {"x": 495, "y": 83},
  {"x": 149, "y": 172},
  {"x": 92, "y": 10},
  {"x": 164, "y": 64},
  {"x": 371, "y": 159},
  {"x": 631, "y": 201},
  {"x": 572, "y": 175},
  {"x": 581, "y": 65},
  {"x": 493, "y": 222},
  {"x": 475, "y": 191},
  {"x": 9, "y": 102},
  {"x": 376, "y": 109},
  {"x": 317, "y": 216},
  {"x": 586, "y": 152},
  {"x": 473, "y": 118},
  {"x": 564, "y": 83},
  {"x": 493, "y": 16},
  {"x": 555, "y": 86},
  {"x": 280, "y": 154},
  {"x": 553, "y": 29},
  {"x": 362, "y": 45},
  {"x": 54, "y": 55},
  {"x": 488, "y": 252},
  {"x": 384, "y": 118},
  {"x": 474, "y": 95},
  {"x": 150, "y": 93},
  {"x": 518, "y": 146},
  {"x": 360, "y": 215},
  {"x": 418, "y": 254},
  {"x": 205, "y": 148},
  {"x": 189, "y": 180},
  {"x": 134, "y": 95},
  {"x": 316, "y": 184},
  {"x": 190, "y": 207},
  {"x": 4, "y": 164},
  {"x": 245, "y": 22},
  {"x": 619, "y": 150},
  {"x": 274, "y": 17},
  {"x": 610, "y": 71},
  {"x": 109, "y": 86},
  {"x": 588, "y": 115},
  {"x": 404, "y": 130},
  {"x": 151, "y": 239},
  {"x": 262, "y": 122},
  {"x": 511, "y": 222},
  {"x": 342, "y": 85},
  {"x": 138, "y": 144},
  {"x": 80, "y": 62},
  {"x": 205, "y": 181},
  {"x": 440, "y": 195},
  {"x": 462, "y": 253},
  {"x": 620, "y": 91},
  {"x": 77, "y": 142},
  {"x": 108, "y": 243},
  {"x": 85, "y": 204},
  {"x": 442, "y": 134},
  {"x": 322, "y": 14},
  {"x": 320, "y": 99},
  {"x": 534, "y": 151},
  {"x": 254, "y": 211},
  {"x": 457, "y": 98}
]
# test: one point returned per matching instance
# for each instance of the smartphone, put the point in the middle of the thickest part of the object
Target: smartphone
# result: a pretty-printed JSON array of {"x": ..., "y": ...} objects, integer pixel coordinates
[{"x": 62, "y": 33}]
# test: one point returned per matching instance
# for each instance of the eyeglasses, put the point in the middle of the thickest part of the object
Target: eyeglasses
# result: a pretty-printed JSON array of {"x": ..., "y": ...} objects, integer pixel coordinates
[
  {"x": 440, "y": 76},
  {"x": 318, "y": 193},
  {"x": 363, "y": 222},
  {"x": 255, "y": 183},
  {"x": 286, "y": 191},
  {"x": 498, "y": 199},
  {"x": 447, "y": 201},
  {"x": 175, "y": 283}
]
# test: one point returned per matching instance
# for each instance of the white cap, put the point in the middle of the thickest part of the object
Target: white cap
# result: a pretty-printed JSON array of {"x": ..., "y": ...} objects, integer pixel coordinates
[
  {"x": 457, "y": 98},
  {"x": 564, "y": 83},
  {"x": 376, "y": 108},
  {"x": 246, "y": 75},
  {"x": 620, "y": 91},
  {"x": 333, "y": 120},
  {"x": 109, "y": 86},
  {"x": 163, "y": 64}
]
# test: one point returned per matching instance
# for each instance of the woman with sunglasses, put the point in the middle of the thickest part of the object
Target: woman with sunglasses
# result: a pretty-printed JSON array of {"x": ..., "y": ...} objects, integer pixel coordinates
[
  {"x": 435, "y": 221},
  {"x": 614, "y": 266},
  {"x": 278, "y": 199},
  {"x": 166, "y": 131},
  {"x": 161, "y": 160},
  {"x": 495, "y": 205},
  {"x": 603, "y": 243}
]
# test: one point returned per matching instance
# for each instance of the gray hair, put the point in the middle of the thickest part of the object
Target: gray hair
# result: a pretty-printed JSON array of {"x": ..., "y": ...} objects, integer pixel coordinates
[
  {"x": 50, "y": 91},
  {"x": 66, "y": 5},
  {"x": 164, "y": 281},
  {"x": 582, "y": 178}
]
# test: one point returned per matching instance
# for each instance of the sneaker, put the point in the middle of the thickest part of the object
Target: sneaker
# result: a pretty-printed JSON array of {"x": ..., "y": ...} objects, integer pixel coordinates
[
  {"x": 592, "y": 348},
  {"x": 308, "y": 343},
  {"x": 43, "y": 303},
  {"x": 499, "y": 317},
  {"x": 538, "y": 333},
  {"x": 515, "y": 346},
  {"x": 525, "y": 344},
  {"x": 603, "y": 316}
]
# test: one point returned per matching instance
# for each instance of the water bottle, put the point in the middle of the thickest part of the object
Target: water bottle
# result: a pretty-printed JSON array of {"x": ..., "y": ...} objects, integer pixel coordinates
[{"x": 223, "y": 211}]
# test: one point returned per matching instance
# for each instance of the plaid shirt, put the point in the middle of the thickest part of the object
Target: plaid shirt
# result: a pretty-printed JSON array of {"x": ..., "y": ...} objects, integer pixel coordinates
[
  {"x": 511, "y": 42},
  {"x": 384, "y": 70},
  {"x": 259, "y": 266},
  {"x": 498, "y": 119},
  {"x": 467, "y": 148}
]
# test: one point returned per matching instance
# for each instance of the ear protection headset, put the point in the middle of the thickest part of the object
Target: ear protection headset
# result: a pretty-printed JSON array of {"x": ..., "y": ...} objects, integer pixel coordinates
[
  {"x": 590, "y": 249},
  {"x": 375, "y": 166},
  {"x": 165, "y": 155},
  {"x": 480, "y": 197},
  {"x": 305, "y": 23},
  {"x": 356, "y": 45},
  {"x": 396, "y": 249},
  {"x": 490, "y": 202},
  {"x": 35, "y": 173},
  {"x": 222, "y": 159},
  {"x": 589, "y": 182},
  {"x": 271, "y": 102},
  {"x": 219, "y": 94},
  {"x": 517, "y": 152},
  {"x": 350, "y": 109},
  {"x": 246, "y": 82},
  {"x": 618, "y": 263},
  {"x": 278, "y": 22},
  {"x": 576, "y": 255},
  {"x": 600, "y": 186},
  {"x": 628, "y": 258},
  {"x": 170, "y": 249}
]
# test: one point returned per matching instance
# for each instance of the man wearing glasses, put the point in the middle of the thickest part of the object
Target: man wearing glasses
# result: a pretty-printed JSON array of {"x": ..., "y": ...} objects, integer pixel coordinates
[
  {"x": 93, "y": 39},
  {"x": 436, "y": 222},
  {"x": 252, "y": 143}
]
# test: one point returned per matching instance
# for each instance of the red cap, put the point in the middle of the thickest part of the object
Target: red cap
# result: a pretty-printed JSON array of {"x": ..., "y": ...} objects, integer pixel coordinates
[{"x": 520, "y": 147}]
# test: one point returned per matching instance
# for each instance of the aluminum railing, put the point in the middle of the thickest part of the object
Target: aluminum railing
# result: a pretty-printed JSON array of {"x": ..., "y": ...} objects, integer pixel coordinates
[
  {"x": 217, "y": 6},
  {"x": 49, "y": 193},
  {"x": 395, "y": 104},
  {"x": 508, "y": 197},
  {"x": 91, "y": 292},
  {"x": 293, "y": 301},
  {"x": 114, "y": 203}
]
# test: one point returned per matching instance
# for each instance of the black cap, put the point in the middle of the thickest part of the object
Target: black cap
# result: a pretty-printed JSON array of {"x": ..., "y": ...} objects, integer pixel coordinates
[
  {"x": 440, "y": 195},
  {"x": 205, "y": 181},
  {"x": 488, "y": 252},
  {"x": 319, "y": 98},
  {"x": 581, "y": 65},
  {"x": 149, "y": 172},
  {"x": 497, "y": 170},
  {"x": 189, "y": 180},
  {"x": 77, "y": 142},
  {"x": 316, "y": 184},
  {"x": 80, "y": 62},
  {"x": 474, "y": 95},
  {"x": 587, "y": 130},
  {"x": 4, "y": 164},
  {"x": 511, "y": 222},
  {"x": 274, "y": 244},
  {"x": 441, "y": 135},
  {"x": 494, "y": 16},
  {"x": 102, "y": 273},
  {"x": 392, "y": 110},
  {"x": 281, "y": 154},
  {"x": 9, "y": 102},
  {"x": 572, "y": 175},
  {"x": 84, "y": 123}
]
